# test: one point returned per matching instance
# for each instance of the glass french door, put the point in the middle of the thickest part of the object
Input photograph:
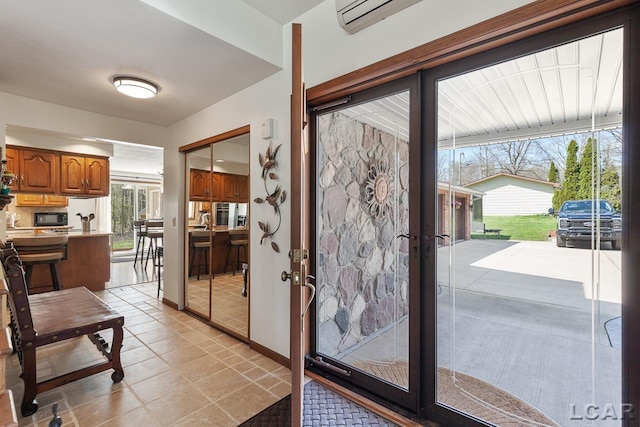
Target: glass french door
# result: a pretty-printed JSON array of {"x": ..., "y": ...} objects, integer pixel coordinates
[
  {"x": 365, "y": 246},
  {"x": 529, "y": 299}
]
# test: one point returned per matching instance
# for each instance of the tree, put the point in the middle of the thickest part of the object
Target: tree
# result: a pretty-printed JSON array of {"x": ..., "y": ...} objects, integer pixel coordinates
[
  {"x": 570, "y": 186},
  {"x": 589, "y": 169},
  {"x": 554, "y": 173},
  {"x": 610, "y": 188},
  {"x": 512, "y": 157}
]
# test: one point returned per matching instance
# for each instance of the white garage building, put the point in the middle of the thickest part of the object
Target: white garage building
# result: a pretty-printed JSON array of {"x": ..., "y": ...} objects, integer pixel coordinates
[{"x": 509, "y": 195}]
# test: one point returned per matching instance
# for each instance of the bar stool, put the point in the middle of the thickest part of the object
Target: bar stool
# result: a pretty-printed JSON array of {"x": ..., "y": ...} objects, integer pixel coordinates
[
  {"x": 159, "y": 265},
  {"x": 238, "y": 238},
  {"x": 42, "y": 250},
  {"x": 201, "y": 242},
  {"x": 141, "y": 234},
  {"x": 154, "y": 231}
]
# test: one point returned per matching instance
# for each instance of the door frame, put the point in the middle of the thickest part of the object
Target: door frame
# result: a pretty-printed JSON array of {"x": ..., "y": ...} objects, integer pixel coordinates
[
  {"x": 630, "y": 19},
  {"x": 405, "y": 402}
]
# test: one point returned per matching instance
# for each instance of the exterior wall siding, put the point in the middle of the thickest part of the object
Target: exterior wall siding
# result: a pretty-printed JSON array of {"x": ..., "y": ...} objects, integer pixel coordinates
[{"x": 508, "y": 196}]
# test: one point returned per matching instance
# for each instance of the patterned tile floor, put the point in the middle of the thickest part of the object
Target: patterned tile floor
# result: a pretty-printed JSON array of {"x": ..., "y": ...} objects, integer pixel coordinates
[{"x": 178, "y": 371}]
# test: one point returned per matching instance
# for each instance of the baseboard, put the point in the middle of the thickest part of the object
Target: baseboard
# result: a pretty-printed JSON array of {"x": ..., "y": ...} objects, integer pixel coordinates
[
  {"x": 267, "y": 352},
  {"x": 169, "y": 303}
]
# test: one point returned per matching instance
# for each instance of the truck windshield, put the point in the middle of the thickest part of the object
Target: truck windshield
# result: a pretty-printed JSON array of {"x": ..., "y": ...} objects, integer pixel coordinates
[{"x": 585, "y": 206}]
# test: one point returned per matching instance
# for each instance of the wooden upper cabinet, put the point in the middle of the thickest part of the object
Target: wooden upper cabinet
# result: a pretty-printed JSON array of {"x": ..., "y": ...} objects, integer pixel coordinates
[
  {"x": 11, "y": 155},
  {"x": 243, "y": 188},
  {"x": 96, "y": 176},
  {"x": 216, "y": 189},
  {"x": 234, "y": 188},
  {"x": 82, "y": 175},
  {"x": 37, "y": 171},
  {"x": 72, "y": 175},
  {"x": 199, "y": 185},
  {"x": 229, "y": 192}
]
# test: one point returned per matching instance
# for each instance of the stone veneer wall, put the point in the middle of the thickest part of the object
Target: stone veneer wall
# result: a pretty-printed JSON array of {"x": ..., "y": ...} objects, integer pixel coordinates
[{"x": 362, "y": 266}]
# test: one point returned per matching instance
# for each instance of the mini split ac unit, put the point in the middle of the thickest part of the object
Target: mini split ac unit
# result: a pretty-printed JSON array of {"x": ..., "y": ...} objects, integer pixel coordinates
[{"x": 354, "y": 15}]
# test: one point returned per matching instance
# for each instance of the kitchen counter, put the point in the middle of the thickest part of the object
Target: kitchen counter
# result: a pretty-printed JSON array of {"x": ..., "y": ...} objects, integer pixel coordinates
[
  {"x": 42, "y": 231},
  {"x": 88, "y": 260}
]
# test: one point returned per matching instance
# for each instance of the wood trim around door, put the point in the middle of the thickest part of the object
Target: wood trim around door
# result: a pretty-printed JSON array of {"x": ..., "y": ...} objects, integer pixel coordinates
[
  {"x": 298, "y": 263},
  {"x": 216, "y": 138},
  {"x": 525, "y": 21}
]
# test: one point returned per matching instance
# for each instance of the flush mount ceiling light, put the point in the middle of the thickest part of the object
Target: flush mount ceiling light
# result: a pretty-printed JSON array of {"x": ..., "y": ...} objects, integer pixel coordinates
[{"x": 135, "y": 87}]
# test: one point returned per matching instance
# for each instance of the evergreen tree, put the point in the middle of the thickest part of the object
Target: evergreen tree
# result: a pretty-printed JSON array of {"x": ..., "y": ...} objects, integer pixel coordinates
[
  {"x": 570, "y": 186},
  {"x": 588, "y": 167},
  {"x": 553, "y": 173},
  {"x": 610, "y": 189}
]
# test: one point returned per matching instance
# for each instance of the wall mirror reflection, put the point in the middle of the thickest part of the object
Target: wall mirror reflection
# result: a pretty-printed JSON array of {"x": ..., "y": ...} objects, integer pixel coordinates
[{"x": 217, "y": 246}]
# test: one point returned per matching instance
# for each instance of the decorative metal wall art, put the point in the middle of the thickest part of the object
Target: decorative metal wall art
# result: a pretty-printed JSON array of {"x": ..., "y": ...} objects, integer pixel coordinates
[{"x": 275, "y": 198}]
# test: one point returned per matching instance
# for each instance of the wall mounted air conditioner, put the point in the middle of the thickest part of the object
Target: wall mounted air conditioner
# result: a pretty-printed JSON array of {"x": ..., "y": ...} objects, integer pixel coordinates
[{"x": 354, "y": 15}]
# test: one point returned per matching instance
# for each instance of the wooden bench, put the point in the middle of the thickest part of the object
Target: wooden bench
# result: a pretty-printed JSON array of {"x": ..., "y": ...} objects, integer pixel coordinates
[{"x": 49, "y": 317}]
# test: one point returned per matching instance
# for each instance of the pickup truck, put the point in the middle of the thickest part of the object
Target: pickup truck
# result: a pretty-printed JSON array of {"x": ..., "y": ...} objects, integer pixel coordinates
[{"x": 577, "y": 221}]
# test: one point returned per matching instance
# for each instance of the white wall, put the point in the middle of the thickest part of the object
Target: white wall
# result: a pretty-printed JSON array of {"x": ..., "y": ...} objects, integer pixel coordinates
[{"x": 328, "y": 52}]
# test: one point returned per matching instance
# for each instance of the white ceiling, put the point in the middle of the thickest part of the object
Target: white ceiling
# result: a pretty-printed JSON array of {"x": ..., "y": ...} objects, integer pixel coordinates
[
  {"x": 67, "y": 51},
  {"x": 548, "y": 93}
]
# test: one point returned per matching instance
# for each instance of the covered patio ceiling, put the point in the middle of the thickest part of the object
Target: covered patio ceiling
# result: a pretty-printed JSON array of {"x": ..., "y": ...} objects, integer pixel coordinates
[{"x": 562, "y": 90}]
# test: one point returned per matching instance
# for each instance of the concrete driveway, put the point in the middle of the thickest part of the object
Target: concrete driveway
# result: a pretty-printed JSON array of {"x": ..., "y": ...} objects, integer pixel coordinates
[{"x": 521, "y": 317}]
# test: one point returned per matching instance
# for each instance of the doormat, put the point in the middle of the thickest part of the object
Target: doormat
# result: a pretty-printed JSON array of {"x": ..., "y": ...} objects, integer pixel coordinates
[
  {"x": 468, "y": 394},
  {"x": 321, "y": 407}
]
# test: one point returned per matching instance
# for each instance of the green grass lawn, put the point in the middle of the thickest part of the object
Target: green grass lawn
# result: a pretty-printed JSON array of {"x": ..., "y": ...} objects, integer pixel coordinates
[
  {"x": 122, "y": 243},
  {"x": 525, "y": 227}
]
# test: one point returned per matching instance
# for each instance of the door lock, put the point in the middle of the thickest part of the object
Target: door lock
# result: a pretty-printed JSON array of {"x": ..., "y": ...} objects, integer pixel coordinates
[{"x": 294, "y": 277}]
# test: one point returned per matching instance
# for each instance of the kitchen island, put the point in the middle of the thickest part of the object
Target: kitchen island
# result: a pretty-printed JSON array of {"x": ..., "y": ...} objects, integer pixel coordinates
[{"x": 88, "y": 260}]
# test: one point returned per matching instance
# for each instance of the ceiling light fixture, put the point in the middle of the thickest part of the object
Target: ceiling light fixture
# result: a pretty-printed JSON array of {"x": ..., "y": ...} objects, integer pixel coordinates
[{"x": 135, "y": 87}]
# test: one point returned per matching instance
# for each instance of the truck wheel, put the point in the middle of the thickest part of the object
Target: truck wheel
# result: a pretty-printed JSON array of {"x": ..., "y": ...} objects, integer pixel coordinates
[
  {"x": 616, "y": 245},
  {"x": 560, "y": 242}
]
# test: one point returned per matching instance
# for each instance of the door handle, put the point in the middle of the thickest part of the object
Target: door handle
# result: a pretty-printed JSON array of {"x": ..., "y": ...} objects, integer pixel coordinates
[
  {"x": 437, "y": 236},
  {"x": 294, "y": 277}
]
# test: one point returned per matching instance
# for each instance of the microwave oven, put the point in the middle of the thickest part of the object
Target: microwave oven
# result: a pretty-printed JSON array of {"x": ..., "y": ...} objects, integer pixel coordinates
[{"x": 48, "y": 219}]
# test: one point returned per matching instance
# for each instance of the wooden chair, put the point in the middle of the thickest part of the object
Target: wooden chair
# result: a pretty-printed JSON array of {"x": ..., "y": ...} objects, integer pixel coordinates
[
  {"x": 42, "y": 250},
  {"x": 238, "y": 238},
  {"x": 49, "y": 317}
]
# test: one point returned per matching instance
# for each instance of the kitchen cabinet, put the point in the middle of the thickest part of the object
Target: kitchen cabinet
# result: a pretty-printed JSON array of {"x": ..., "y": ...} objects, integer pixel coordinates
[
  {"x": 204, "y": 186},
  {"x": 235, "y": 188},
  {"x": 29, "y": 199},
  {"x": 199, "y": 185},
  {"x": 36, "y": 170},
  {"x": 84, "y": 175}
]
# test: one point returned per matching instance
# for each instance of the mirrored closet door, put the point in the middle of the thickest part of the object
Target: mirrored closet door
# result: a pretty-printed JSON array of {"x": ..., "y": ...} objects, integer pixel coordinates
[{"x": 217, "y": 242}]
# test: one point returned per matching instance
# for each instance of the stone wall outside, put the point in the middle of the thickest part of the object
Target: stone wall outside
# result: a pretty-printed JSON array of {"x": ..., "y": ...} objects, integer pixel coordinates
[{"x": 362, "y": 265}]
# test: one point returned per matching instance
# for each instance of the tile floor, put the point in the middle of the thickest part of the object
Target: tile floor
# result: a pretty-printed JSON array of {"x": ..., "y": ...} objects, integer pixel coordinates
[{"x": 178, "y": 371}]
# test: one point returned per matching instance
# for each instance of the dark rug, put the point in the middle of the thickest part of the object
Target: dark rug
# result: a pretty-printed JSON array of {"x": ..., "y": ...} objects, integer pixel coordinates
[
  {"x": 321, "y": 407},
  {"x": 468, "y": 394}
]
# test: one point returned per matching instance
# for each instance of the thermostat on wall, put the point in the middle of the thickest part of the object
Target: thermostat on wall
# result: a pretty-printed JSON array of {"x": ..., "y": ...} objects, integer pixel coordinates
[{"x": 268, "y": 128}]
